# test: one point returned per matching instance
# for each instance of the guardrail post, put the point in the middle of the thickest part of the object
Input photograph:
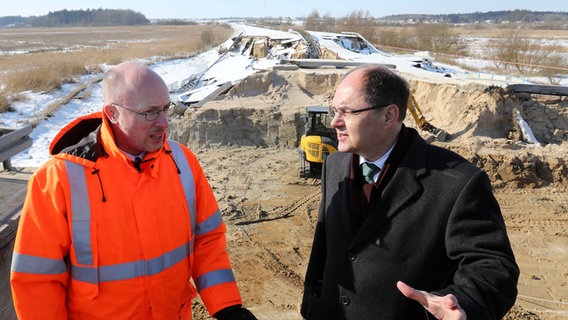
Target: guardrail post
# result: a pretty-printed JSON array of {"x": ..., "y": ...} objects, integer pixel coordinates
[{"x": 12, "y": 142}]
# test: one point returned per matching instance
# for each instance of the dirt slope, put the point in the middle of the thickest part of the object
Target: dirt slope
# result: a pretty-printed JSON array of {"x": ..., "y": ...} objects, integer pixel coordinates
[{"x": 246, "y": 142}]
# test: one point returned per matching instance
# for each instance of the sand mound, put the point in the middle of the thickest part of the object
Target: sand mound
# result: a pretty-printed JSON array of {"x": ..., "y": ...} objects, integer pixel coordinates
[
  {"x": 267, "y": 109},
  {"x": 246, "y": 141}
]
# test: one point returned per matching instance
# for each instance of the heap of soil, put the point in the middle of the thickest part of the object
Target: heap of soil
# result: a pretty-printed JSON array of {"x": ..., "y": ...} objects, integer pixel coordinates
[
  {"x": 267, "y": 109},
  {"x": 246, "y": 140}
]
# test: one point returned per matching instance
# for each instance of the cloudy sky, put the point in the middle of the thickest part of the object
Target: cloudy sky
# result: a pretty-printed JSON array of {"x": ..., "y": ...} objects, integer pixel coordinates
[{"x": 196, "y": 9}]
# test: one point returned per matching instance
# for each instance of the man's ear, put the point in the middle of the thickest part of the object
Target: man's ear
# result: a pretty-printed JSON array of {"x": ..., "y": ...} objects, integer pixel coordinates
[
  {"x": 390, "y": 115},
  {"x": 110, "y": 113}
]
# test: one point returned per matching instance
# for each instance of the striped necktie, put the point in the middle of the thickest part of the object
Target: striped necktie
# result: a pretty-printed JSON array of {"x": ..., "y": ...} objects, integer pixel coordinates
[{"x": 369, "y": 171}]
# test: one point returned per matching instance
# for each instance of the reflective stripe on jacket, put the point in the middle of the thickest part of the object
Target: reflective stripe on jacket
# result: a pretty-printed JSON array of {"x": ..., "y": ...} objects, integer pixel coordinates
[{"x": 99, "y": 240}]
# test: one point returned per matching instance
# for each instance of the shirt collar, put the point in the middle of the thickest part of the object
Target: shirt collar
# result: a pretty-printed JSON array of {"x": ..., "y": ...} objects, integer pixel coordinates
[
  {"x": 381, "y": 161},
  {"x": 141, "y": 156}
]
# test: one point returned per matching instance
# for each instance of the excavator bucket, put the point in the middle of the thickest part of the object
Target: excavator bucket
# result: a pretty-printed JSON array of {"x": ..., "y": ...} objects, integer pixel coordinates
[
  {"x": 438, "y": 133},
  {"x": 421, "y": 122}
]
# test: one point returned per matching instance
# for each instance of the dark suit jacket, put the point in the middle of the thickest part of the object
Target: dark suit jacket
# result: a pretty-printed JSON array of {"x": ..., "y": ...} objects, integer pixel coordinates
[{"x": 434, "y": 225}]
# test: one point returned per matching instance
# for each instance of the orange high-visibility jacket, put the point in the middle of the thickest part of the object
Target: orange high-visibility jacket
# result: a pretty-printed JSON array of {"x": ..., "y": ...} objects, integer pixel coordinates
[{"x": 99, "y": 239}]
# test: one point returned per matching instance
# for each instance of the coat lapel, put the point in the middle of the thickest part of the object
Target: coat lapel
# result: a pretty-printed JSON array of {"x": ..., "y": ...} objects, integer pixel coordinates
[{"x": 344, "y": 190}]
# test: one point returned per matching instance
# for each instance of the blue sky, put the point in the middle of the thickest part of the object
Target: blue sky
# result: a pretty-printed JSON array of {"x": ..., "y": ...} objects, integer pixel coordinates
[{"x": 195, "y": 9}]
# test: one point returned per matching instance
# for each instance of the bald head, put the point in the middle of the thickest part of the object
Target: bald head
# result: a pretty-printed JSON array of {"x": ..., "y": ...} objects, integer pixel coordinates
[
  {"x": 132, "y": 91},
  {"x": 130, "y": 83}
]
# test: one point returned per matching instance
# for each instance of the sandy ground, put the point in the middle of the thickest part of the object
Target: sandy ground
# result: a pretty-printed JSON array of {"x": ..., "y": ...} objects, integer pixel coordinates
[
  {"x": 270, "y": 215},
  {"x": 246, "y": 140},
  {"x": 271, "y": 212}
]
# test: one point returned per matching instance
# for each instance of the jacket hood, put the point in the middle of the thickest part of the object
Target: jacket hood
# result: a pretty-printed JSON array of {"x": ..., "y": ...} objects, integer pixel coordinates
[{"x": 79, "y": 138}]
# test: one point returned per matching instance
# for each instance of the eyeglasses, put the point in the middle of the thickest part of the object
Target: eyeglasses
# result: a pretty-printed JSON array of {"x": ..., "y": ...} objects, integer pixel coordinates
[
  {"x": 345, "y": 113},
  {"x": 150, "y": 115}
]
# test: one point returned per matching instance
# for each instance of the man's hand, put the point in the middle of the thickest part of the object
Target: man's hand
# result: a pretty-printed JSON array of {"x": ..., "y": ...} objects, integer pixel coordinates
[{"x": 443, "y": 308}]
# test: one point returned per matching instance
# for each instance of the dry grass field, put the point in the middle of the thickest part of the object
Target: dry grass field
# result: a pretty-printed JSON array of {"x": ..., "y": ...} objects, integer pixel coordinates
[
  {"x": 41, "y": 59},
  {"x": 511, "y": 49}
]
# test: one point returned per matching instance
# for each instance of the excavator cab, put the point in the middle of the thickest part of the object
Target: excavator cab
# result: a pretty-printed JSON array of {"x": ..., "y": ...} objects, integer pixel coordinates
[{"x": 319, "y": 141}]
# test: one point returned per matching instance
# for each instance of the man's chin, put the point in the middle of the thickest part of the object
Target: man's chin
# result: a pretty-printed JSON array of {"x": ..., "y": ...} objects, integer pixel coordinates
[
  {"x": 154, "y": 147},
  {"x": 343, "y": 148}
]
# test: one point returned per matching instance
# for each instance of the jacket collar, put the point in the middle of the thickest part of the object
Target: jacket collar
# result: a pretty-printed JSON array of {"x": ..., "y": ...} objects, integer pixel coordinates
[
  {"x": 87, "y": 138},
  {"x": 78, "y": 141}
]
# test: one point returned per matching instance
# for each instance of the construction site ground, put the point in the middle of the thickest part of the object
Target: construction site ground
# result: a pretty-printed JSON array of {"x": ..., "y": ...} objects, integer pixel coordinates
[
  {"x": 246, "y": 141},
  {"x": 271, "y": 212}
]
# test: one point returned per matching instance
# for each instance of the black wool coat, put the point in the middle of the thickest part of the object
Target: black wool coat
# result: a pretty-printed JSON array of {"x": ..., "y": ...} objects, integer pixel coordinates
[{"x": 434, "y": 225}]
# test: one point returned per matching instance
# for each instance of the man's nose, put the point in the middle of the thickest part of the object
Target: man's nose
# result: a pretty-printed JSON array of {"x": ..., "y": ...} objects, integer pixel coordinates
[{"x": 336, "y": 121}]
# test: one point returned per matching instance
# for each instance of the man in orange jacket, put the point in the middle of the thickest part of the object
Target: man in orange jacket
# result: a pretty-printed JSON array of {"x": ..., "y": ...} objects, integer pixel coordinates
[{"x": 121, "y": 223}]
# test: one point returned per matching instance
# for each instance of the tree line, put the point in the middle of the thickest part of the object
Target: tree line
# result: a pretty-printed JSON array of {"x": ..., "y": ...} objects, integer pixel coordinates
[
  {"x": 513, "y": 16},
  {"x": 89, "y": 17}
]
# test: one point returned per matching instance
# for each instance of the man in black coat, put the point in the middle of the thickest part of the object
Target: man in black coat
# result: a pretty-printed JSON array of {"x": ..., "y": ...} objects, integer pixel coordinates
[{"x": 426, "y": 220}]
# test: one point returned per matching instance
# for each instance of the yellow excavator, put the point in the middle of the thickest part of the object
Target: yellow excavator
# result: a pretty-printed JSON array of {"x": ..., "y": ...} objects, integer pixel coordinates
[{"x": 320, "y": 139}]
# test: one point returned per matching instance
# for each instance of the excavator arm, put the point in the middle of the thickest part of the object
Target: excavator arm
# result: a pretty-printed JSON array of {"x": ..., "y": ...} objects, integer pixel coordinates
[{"x": 424, "y": 125}]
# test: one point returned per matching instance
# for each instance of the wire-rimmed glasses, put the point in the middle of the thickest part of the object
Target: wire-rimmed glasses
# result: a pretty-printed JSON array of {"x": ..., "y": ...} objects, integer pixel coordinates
[{"x": 149, "y": 115}]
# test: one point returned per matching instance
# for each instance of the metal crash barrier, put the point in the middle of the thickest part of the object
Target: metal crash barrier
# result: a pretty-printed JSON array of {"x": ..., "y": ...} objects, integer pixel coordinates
[{"x": 12, "y": 142}]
